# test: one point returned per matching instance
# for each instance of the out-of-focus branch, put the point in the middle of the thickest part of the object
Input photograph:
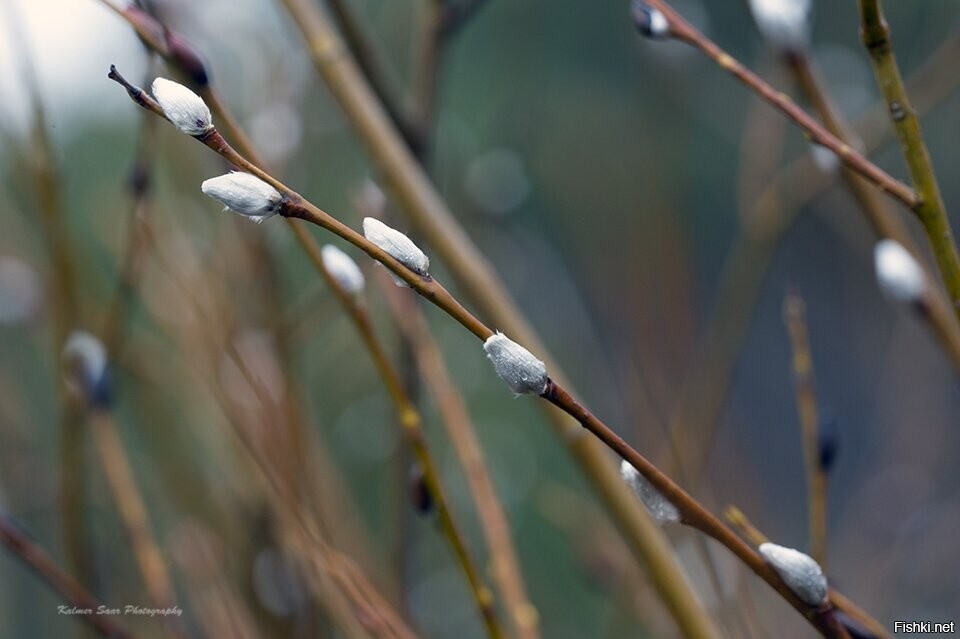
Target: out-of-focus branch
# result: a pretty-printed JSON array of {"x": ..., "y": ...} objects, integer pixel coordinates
[
  {"x": 794, "y": 312},
  {"x": 71, "y": 591},
  {"x": 453, "y": 412}
]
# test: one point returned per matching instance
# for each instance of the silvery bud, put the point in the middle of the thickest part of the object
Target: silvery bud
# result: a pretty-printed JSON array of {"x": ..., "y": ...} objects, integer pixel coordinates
[
  {"x": 659, "y": 507},
  {"x": 515, "y": 365},
  {"x": 784, "y": 24},
  {"x": 899, "y": 275},
  {"x": 245, "y": 194},
  {"x": 799, "y": 571},
  {"x": 184, "y": 108},
  {"x": 85, "y": 367},
  {"x": 650, "y": 21},
  {"x": 398, "y": 245},
  {"x": 342, "y": 269}
]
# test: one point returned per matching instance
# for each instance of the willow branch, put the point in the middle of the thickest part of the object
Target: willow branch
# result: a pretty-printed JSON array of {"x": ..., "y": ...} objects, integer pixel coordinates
[
  {"x": 794, "y": 312},
  {"x": 456, "y": 419},
  {"x": 685, "y": 32},
  {"x": 133, "y": 514},
  {"x": 71, "y": 591},
  {"x": 930, "y": 208}
]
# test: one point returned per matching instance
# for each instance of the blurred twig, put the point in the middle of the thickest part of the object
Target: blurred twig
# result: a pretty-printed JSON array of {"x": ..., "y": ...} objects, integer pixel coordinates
[
  {"x": 794, "y": 312},
  {"x": 455, "y": 417},
  {"x": 133, "y": 513},
  {"x": 65, "y": 313},
  {"x": 72, "y": 592}
]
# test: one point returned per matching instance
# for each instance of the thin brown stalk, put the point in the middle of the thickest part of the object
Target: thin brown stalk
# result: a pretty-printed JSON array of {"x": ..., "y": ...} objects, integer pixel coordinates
[
  {"x": 795, "y": 317},
  {"x": 411, "y": 424},
  {"x": 685, "y": 32},
  {"x": 649, "y": 544},
  {"x": 929, "y": 207},
  {"x": 455, "y": 417},
  {"x": 64, "y": 314},
  {"x": 133, "y": 514},
  {"x": 70, "y": 590}
]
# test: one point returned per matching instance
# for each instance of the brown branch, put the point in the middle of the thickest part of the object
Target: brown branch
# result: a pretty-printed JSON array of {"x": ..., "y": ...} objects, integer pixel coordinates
[
  {"x": 455, "y": 417},
  {"x": 133, "y": 514},
  {"x": 71, "y": 591},
  {"x": 794, "y": 313},
  {"x": 685, "y": 32}
]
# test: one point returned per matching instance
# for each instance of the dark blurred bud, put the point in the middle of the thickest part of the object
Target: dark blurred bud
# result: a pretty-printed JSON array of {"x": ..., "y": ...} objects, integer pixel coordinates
[
  {"x": 139, "y": 179},
  {"x": 854, "y": 628},
  {"x": 650, "y": 21},
  {"x": 420, "y": 495},
  {"x": 187, "y": 59},
  {"x": 827, "y": 441}
]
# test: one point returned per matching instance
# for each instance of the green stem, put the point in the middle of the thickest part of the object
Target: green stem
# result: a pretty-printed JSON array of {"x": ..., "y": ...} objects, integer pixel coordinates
[{"x": 929, "y": 208}]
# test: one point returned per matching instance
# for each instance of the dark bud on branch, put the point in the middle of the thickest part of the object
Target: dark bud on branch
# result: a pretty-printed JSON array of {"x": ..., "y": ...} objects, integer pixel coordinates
[
  {"x": 186, "y": 59},
  {"x": 650, "y": 21},
  {"x": 828, "y": 444},
  {"x": 420, "y": 495}
]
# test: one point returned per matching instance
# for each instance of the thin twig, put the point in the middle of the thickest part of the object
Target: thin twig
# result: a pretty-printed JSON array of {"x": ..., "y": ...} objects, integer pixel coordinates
[
  {"x": 133, "y": 513},
  {"x": 455, "y": 417},
  {"x": 794, "y": 313},
  {"x": 685, "y": 32},
  {"x": 70, "y": 590},
  {"x": 929, "y": 207}
]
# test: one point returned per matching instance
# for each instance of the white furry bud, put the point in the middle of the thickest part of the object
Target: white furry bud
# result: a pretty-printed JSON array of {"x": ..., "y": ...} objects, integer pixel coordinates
[
  {"x": 245, "y": 194},
  {"x": 523, "y": 373},
  {"x": 799, "y": 571},
  {"x": 343, "y": 269},
  {"x": 650, "y": 21},
  {"x": 899, "y": 275},
  {"x": 85, "y": 366},
  {"x": 184, "y": 108},
  {"x": 398, "y": 245},
  {"x": 659, "y": 507},
  {"x": 785, "y": 24}
]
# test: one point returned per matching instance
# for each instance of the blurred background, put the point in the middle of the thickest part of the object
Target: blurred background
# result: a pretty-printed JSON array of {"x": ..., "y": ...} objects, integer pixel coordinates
[{"x": 612, "y": 181}]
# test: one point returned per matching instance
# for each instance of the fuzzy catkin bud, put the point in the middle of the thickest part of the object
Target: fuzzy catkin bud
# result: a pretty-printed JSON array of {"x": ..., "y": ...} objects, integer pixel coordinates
[
  {"x": 799, "y": 571},
  {"x": 245, "y": 194},
  {"x": 343, "y": 269},
  {"x": 398, "y": 245},
  {"x": 899, "y": 275},
  {"x": 784, "y": 24},
  {"x": 85, "y": 367},
  {"x": 650, "y": 21},
  {"x": 185, "y": 109},
  {"x": 515, "y": 365},
  {"x": 659, "y": 507}
]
